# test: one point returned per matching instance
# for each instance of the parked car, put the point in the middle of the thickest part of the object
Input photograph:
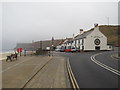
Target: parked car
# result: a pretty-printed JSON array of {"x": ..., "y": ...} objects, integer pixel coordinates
[
  {"x": 62, "y": 49},
  {"x": 117, "y": 45},
  {"x": 78, "y": 49},
  {"x": 57, "y": 49},
  {"x": 73, "y": 49},
  {"x": 68, "y": 49}
]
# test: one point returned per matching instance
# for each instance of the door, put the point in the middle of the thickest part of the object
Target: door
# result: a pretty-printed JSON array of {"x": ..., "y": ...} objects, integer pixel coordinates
[{"x": 97, "y": 47}]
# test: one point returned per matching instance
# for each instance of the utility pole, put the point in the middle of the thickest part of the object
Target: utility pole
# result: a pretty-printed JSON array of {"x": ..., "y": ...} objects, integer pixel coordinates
[{"x": 41, "y": 45}]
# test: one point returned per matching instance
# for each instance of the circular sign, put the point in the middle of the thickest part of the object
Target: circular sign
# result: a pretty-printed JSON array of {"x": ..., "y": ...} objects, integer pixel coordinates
[{"x": 97, "y": 42}]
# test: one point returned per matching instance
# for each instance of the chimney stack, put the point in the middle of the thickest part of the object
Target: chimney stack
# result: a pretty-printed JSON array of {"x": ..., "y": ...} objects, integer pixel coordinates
[
  {"x": 73, "y": 36},
  {"x": 81, "y": 31},
  {"x": 95, "y": 25}
]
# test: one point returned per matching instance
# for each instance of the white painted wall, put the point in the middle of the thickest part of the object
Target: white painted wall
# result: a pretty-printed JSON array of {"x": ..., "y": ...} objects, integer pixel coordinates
[
  {"x": 109, "y": 47},
  {"x": 80, "y": 44},
  {"x": 77, "y": 44},
  {"x": 89, "y": 40}
]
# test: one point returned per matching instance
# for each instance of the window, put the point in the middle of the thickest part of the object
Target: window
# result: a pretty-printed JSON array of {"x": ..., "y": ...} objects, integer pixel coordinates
[
  {"x": 97, "y": 42},
  {"x": 110, "y": 46}
]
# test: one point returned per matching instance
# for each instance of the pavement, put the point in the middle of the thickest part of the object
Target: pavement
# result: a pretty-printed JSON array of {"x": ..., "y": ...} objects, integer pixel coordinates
[
  {"x": 35, "y": 72},
  {"x": 116, "y": 56}
]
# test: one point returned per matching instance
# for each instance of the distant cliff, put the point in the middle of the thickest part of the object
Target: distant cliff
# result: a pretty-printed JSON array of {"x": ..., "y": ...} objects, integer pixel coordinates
[
  {"x": 38, "y": 44},
  {"x": 111, "y": 32},
  {"x": 25, "y": 46}
]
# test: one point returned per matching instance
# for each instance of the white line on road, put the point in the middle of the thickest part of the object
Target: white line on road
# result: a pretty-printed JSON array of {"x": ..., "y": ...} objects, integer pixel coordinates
[{"x": 103, "y": 65}]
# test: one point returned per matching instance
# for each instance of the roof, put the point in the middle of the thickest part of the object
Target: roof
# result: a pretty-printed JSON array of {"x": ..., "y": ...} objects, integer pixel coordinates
[
  {"x": 69, "y": 39},
  {"x": 84, "y": 34},
  {"x": 61, "y": 42}
]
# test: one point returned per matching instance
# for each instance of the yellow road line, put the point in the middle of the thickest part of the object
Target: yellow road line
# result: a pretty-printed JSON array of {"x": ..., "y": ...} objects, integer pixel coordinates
[{"x": 72, "y": 78}]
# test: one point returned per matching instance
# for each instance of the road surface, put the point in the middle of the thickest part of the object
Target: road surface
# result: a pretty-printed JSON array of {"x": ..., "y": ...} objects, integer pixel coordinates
[{"x": 90, "y": 75}]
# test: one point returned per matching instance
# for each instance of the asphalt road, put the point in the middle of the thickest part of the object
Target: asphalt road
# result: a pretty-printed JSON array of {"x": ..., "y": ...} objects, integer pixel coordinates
[{"x": 90, "y": 75}]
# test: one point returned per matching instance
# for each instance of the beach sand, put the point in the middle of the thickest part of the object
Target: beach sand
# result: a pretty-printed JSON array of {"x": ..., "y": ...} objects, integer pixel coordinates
[{"x": 4, "y": 55}]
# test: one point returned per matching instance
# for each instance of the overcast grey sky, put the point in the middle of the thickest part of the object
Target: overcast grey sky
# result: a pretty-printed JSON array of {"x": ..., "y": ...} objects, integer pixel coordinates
[{"x": 27, "y": 21}]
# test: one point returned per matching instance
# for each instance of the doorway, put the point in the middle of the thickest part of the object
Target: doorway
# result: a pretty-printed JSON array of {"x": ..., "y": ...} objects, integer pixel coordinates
[{"x": 97, "y": 47}]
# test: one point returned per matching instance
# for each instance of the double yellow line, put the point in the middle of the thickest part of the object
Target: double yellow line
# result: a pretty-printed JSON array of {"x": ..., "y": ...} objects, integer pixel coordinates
[{"x": 71, "y": 76}]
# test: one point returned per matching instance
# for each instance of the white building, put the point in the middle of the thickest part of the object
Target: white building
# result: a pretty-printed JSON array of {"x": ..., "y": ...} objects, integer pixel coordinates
[
  {"x": 89, "y": 40},
  {"x": 66, "y": 43}
]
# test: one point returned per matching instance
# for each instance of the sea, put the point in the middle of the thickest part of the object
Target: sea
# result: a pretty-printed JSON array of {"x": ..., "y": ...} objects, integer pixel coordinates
[{"x": 5, "y": 53}]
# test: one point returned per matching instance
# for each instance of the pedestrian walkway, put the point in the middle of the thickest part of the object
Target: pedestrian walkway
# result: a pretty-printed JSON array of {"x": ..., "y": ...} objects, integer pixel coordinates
[
  {"x": 50, "y": 72},
  {"x": 116, "y": 56}
]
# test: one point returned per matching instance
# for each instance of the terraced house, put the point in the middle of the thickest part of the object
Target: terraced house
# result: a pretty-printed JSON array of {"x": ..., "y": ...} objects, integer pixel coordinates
[{"x": 88, "y": 41}]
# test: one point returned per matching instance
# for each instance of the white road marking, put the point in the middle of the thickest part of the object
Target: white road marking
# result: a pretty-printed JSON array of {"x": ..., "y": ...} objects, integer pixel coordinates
[{"x": 103, "y": 65}]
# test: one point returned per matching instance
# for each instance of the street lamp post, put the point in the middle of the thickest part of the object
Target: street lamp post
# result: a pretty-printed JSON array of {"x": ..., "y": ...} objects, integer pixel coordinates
[
  {"x": 52, "y": 45},
  {"x": 41, "y": 45}
]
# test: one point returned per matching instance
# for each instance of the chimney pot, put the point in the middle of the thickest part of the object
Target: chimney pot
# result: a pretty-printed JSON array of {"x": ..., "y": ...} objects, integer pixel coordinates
[{"x": 73, "y": 36}]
